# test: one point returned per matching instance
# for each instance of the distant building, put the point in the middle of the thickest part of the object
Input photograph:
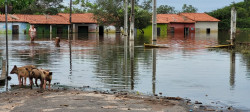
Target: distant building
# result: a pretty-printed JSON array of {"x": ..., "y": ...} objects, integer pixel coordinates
[
  {"x": 177, "y": 23},
  {"x": 203, "y": 22}
]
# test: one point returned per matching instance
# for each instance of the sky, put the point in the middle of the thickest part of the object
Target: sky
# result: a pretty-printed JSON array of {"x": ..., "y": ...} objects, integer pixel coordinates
[{"x": 201, "y": 5}]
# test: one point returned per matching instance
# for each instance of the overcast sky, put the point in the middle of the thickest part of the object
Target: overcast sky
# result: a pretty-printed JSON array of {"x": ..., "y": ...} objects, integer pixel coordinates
[{"x": 202, "y": 5}]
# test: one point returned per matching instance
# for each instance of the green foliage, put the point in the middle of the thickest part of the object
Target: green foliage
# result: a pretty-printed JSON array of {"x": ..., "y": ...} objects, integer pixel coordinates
[
  {"x": 142, "y": 18},
  {"x": 32, "y": 6},
  {"x": 111, "y": 12},
  {"x": 224, "y": 14},
  {"x": 165, "y": 9},
  {"x": 189, "y": 9}
]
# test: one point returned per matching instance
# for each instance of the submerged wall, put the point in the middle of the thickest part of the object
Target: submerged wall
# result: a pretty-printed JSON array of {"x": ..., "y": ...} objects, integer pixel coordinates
[
  {"x": 148, "y": 30},
  {"x": 201, "y": 27},
  {"x": 21, "y": 27}
]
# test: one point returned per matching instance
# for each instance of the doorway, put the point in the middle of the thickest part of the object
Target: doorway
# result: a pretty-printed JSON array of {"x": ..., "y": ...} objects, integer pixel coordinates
[
  {"x": 15, "y": 29},
  {"x": 186, "y": 30},
  {"x": 83, "y": 29},
  {"x": 101, "y": 30}
]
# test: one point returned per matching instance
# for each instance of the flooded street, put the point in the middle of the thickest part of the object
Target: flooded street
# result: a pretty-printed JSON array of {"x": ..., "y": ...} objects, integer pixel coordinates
[{"x": 187, "y": 69}]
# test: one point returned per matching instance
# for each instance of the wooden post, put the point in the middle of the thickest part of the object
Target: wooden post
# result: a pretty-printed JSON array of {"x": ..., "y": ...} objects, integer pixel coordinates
[
  {"x": 132, "y": 20},
  {"x": 7, "y": 48},
  {"x": 126, "y": 18},
  {"x": 154, "y": 24},
  {"x": 233, "y": 25}
]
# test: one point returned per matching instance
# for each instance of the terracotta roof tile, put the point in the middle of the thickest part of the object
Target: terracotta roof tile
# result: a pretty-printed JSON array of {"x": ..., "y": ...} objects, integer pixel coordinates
[
  {"x": 61, "y": 18},
  {"x": 80, "y": 17},
  {"x": 172, "y": 18},
  {"x": 199, "y": 17}
]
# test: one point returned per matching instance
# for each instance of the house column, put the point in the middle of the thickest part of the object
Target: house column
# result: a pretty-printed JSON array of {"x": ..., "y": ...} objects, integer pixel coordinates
[
  {"x": 74, "y": 28},
  {"x": 50, "y": 31},
  {"x": 68, "y": 31}
]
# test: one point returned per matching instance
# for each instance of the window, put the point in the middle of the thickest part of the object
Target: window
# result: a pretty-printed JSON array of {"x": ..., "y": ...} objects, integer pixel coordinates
[
  {"x": 172, "y": 29},
  {"x": 158, "y": 31},
  {"x": 208, "y": 30}
]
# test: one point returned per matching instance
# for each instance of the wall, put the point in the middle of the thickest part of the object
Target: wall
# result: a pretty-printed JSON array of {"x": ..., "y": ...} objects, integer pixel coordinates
[
  {"x": 22, "y": 27},
  {"x": 148, "y": 30},
  {"x": 91, "y": 27},
  {"x": 201, "y": 27},
  {"x": 179, "y": 27},
  {"x": 45, "y": 29},
  {"x": 109, "y": 29}
]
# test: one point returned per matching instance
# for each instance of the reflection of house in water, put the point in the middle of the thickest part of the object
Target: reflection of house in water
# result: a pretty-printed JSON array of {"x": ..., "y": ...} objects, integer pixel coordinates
[{"x": 203, "y": 22}]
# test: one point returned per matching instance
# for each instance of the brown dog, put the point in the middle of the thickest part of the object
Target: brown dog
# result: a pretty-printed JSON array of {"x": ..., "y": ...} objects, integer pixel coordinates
[
  {"x": 36, "y": 74},
  {"x": 22, "y": 72},
  {"x": 46, "y": 76}
]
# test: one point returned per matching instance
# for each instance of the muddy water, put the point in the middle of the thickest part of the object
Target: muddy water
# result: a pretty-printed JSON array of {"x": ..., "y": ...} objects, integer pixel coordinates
[{"x": 186, "y": 69}]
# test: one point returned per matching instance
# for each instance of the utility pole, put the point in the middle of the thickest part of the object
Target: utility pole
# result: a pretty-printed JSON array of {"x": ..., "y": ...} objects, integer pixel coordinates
[
  {"x": 126, "y": 18},
  {"x": 154, "y": 24},
  {"x": 70, "y": 18},
  {"x": 6, "y": 29},
  {"x": 233, "y": 25},
  {"x": 132, "y": 21}
]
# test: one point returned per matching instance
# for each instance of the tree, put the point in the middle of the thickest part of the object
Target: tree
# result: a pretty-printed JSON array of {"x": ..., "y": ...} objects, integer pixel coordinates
[
  {"x": 142, "y": 18},
  {"x": 165, "y": 9},
  {"x": 189, "y": 9},
  {"x": 110, "y": 12},
  {"x": 33, "y": 6},
  {"x": 146, "y": 5},
  {"x": 224, "y": 14}
]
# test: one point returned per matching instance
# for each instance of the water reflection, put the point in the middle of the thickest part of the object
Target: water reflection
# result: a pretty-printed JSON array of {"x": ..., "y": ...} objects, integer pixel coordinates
[
  {"x": 110, "y": 61},
  {"x": 154, "y": 70},
  {"x": 232, "y": 69},
  {"x": 131, "y": 52}
]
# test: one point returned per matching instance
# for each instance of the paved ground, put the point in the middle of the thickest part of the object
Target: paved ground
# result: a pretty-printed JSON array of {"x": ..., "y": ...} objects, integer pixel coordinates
[
  {"x": 26, "y": 100},
  {"x": 65, "y": 100}
]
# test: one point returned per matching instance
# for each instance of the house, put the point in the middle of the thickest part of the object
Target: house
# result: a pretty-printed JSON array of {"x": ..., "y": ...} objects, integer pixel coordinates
[
  {"x": 16, "y": 24},
  {"x": 177, "y": 23},
  {"x": 203, "y": 22},
  {"x": 82, "y": 22},
  {"x": 171, "y": 23},
  {"x": 20, "y": 23}
]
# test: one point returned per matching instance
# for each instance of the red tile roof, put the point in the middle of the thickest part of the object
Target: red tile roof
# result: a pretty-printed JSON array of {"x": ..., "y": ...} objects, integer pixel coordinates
[
  {"x": 13, "y": 18},
  {"x": 200, "y": 17},
  {"x": 172, "y": 18},
  {"x": 80, "y": 17},
  {"x": 47, "y": 19},
  {"x": 61, "y": 18}
]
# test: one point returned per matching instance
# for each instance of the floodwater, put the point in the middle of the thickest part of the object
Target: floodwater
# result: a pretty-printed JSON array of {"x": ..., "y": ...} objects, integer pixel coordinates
[{"x": 187, "y": 69}]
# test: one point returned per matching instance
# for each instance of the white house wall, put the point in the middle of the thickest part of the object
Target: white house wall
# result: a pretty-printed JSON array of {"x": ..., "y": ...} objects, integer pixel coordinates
[
  {"x": 109, "y": 29},
  {"x": 22, "y": 27},
  {"x": 202, "y": 26}
]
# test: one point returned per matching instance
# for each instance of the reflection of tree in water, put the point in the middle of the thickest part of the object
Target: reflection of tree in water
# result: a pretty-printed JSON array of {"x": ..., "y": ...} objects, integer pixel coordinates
[
  {"x": 246, "y": 59},
  {"x": 110, "y": 67}
]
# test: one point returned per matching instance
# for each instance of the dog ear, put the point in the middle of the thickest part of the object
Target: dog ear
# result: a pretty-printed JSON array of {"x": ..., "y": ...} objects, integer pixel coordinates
[
  {"x": 50, "y": 73},
  {"x": 15, "y": 66}
]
